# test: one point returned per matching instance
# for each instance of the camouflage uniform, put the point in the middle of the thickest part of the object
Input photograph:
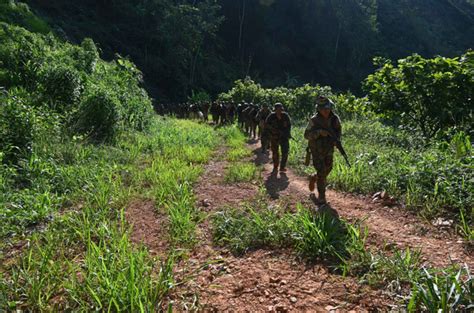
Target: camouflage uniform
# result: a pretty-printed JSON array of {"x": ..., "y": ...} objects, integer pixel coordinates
[
  {"x": 262, "y": 129},
  {"x": 280, "y": 134},
  {"x": 322, "y": 147}
]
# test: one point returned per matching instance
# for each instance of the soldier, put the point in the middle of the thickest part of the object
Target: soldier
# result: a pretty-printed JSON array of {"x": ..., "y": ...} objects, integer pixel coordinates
[
  {"x": 262, "y": 131},
  {"x": 240, "y": 116},
  {"x": 249, "y": 115},
  {"x": 205, "y": 110},
  {"x": 319, "y": 132},
  {"x": 215, "y": 112},
  {"x": 279, "y": 128}
]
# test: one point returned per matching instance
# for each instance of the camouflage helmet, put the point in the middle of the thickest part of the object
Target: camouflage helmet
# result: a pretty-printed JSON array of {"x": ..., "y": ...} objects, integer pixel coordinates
[{"x": 324, "y": 103}]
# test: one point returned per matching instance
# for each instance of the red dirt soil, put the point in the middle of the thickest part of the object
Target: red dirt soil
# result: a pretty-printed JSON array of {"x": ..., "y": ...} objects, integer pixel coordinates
[
  {"x": 388, "y": 226},
  {"x": 212, "y": 279}
]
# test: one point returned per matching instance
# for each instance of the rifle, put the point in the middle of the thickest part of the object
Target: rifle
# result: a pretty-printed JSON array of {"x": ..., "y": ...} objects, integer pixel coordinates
[{"x": 338, "y": 145}]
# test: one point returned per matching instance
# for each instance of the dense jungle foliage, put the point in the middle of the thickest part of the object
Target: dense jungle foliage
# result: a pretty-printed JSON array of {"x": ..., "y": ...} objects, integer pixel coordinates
[
  {"x": 79, "y": 142},
  {"x": 191, "y": 45}
]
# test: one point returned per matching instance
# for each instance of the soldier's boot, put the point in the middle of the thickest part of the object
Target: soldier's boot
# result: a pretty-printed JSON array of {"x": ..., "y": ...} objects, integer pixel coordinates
[
  {"x": 284, "y": 160},
  {"x": 276, "y": 164},
  {"x": 312, "y": 182},
  {"x": 321, "y": 193}
]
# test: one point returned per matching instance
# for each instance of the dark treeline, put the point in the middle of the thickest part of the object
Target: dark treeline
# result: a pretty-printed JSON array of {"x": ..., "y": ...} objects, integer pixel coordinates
[{"x": 186, "y": 45}]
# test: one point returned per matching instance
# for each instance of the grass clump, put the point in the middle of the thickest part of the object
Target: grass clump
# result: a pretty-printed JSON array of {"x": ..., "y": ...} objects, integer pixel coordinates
[
  {"x": 237, "y": 154},
  {"x": 241, "y": 172},
  {"x": 312, "y": 236},
  {"x": 445, "y": 291}
]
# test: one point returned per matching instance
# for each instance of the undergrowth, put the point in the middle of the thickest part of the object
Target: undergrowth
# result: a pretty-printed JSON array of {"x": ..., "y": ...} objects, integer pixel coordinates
[{"x": 76, "y": 253}]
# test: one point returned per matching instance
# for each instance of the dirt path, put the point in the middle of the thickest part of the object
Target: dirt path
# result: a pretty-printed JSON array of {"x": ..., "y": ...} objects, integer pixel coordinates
[
  {"x": 260, "y": 281},
  {"x": 212, "y": 279},
  {"x": 388, "y": 226}
]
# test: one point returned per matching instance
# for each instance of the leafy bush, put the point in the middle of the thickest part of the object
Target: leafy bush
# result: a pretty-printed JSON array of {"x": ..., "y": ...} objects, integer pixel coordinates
[
  {"x": 18, "y": 13},
  {"x": 61, "y": 87},
  {"x": 17, "y": 120},
  {"x": 425, "y": 94},
  {"x": 98, "y": 115}
]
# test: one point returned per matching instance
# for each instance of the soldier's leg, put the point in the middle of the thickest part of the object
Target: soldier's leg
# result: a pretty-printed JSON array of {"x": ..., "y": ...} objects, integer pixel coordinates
[
  {"x": 274, "y": 145},
  {"x": 285, "y": 149},
  {"x": 265, "y": 141},
  {"x": 322, "y": 177},
  {"x": 318, "y": 164}
]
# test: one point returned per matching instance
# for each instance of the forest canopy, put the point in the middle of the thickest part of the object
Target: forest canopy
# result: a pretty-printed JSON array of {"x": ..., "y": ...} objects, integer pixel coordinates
[{"x": 185, "y": 46}]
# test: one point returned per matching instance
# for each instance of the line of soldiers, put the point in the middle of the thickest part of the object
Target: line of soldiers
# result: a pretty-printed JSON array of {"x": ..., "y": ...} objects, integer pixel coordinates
[
  {"x": 221, "y": 112},
  {"x": 323, "y": 133},
  {"x": 273, "y": 128}
]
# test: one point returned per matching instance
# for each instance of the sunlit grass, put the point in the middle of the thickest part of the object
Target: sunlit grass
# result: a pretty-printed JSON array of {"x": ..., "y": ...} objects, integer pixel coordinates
[
  {"x": 82, "y": 258},
  {"x": 241, "y": 172}
]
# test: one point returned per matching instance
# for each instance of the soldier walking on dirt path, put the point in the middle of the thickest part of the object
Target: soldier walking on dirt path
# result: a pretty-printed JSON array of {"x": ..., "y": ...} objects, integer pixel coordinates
[
  {"x": 279, "y": 128},
  {"x": 319, "y": 132},
  {"x": 263, "y": 133}
]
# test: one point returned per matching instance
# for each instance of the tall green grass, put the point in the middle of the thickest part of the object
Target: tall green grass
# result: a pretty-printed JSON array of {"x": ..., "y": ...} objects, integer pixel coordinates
[
  {"x": 241, "y": 172},
  {"x": 312, "y": 236},
  {"x": 71, "y": 201},
  {"x": 238, "y": 170}
]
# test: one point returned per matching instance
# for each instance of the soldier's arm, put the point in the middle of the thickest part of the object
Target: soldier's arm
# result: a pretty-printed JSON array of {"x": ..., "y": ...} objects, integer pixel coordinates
[
  {"x": 268, "y": 122},
  {"x": 308, "y": 133},
  {"x": 289, "y": 125}
]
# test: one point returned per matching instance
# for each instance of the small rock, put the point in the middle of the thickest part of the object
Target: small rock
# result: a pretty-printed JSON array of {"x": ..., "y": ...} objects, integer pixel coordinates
[
  {"x": 283, "y": 282},
  {"x": 274, "y": 280},
  {"x": 376, "y": 195},
  {"x": 281, "y": 308},
  {"x": 442, "y": 222},
  {"x": 206, "y": 203},
  {"x": 239, "y": 288},
  {"x": 383, "y": 195},
  {"x": 293, "y": 299},
  {"x": 266, "y": 293}
]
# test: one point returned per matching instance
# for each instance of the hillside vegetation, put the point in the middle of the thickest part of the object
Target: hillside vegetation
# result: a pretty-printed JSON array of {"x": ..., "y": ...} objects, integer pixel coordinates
[
  {"x": 192, "y": 45},
  {"x": 105, "y": 206}
]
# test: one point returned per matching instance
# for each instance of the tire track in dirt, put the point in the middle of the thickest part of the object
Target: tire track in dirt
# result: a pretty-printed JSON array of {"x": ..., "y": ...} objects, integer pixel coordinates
[{"x": 389, "y": 227}]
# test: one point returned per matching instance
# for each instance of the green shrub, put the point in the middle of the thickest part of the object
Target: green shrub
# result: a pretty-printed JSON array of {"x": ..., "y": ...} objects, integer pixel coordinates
[
  {"x": 17, "y": 120},
  {"x": 19, "y": 13},
  {"x": 88, "y": 56},
  {"x": 98, "y": 116},
  {"x": 61, "y": 87},
  {"x": 425, "y": 94}
]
